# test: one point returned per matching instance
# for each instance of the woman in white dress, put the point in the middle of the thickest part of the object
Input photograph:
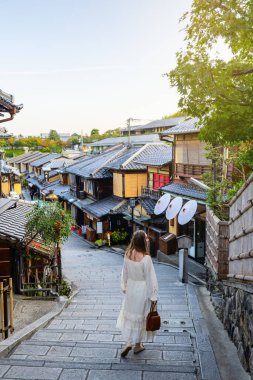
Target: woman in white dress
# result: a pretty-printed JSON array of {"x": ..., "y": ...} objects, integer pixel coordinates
[{"x": 139, "y": 283}]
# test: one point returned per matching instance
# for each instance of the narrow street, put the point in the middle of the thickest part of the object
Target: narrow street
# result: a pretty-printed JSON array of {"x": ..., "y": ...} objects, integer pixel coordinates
[{"x": 83, "y": 343}]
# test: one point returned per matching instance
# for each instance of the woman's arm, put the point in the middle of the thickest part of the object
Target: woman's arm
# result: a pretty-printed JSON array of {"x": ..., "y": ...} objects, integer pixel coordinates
[
  {"x": 151, "y": 279},
  {"x": 124, "y": 276}
]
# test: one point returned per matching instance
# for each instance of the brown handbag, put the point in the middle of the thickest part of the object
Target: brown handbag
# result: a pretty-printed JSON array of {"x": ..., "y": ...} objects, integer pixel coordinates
[{"x": 153, "y": 321}]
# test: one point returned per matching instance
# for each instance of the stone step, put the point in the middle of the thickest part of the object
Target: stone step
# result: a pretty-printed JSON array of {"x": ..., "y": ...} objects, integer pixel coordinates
[
  {"x": 62, "y": 370},
  {"x": 173, "y": 343}
]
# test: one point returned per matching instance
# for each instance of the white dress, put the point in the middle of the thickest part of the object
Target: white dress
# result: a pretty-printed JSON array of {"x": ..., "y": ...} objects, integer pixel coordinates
[{"x": 139, "y": 283}]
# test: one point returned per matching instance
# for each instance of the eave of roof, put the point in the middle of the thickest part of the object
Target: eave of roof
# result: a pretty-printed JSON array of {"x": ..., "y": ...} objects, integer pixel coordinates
[{"x": 186, "y": 191}]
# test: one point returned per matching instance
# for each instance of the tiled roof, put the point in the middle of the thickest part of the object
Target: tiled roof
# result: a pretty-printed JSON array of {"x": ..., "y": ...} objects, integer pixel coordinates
[
  {"x": 134, "y": 140},
  {"x": 6, "y": 169},
  {"x": 23, "y": 157},
  {"x": 5, "y": 135},
  {"x": 7, "y": 104},
  {"x": 104, "y": 206},
  {"x": 43, "y": 160},
  {"x": 147, "y": 203},
  {"x": 187, "y": 191},
  {"x": 187, "y": 126},
  {"x": 91, "y": 166},
  {"x": 58, "y": 188},
  {"x": 35, "y": 182},
  {"x": 68, "y": 197},
  {"x": 171, "y": 122},
  {"x": 133, "y": 158},
  {"x": 5, "y": 203},
  {"x": 20, "y": 157},
  {"x": 13, "y": 221},
  {"x": 156, "y": 155},
  {"x": 33, "y": 157},
  {"x": 60, "y": 162},
  {"x": 81, "y": 203},
  {"x": 127, "y": 153}
]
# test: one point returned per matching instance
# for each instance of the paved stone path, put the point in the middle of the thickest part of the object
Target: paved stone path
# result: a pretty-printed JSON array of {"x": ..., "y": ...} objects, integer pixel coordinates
[{"x": 83, "y": 343}]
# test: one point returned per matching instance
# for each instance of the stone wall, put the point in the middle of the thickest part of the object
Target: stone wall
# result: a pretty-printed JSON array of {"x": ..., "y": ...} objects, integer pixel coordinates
[{"x": 238, "y": 320}]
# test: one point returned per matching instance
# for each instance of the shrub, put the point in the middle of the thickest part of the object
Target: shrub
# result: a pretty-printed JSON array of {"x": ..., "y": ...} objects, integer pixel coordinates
[
  {"x": 65, "y": 289},
  {"x": 118, "y": 236}
]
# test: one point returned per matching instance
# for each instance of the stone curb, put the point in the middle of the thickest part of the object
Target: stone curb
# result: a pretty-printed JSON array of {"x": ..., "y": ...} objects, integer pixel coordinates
[{"x": 8, "y": 344}]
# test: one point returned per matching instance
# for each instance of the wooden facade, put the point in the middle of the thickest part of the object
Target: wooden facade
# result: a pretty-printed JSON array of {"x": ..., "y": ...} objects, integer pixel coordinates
[
  {"x": 126, "y": 185},
  {"x": 241, "y": 233},
  {"x": 190, "y": 157},
  {"x": 9, "y": 182}
]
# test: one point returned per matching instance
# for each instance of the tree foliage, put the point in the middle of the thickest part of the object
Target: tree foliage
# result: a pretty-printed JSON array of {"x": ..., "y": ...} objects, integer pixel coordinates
[
  {"x": 53, "y": 135},
  {"x": 50, "y": 222},
  {"x": 218, "y": 91},
  {"x": 175, "y": 114}
]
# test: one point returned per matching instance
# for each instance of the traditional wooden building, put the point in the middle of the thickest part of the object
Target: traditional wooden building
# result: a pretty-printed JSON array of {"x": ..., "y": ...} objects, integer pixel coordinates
[
  {"x": 36, "y": 166},
  {"x": 135, "y": 174},
  {"x": 16, "y": 251},
  {"x": 189, "y": 165},
  {"x": 22, "y": 162},
  {"x": 89, "y": 180},
  {"x": 8, "y": 109},
  {"x": 9, "y": 180},
  {"x": 189, "y": 153}
]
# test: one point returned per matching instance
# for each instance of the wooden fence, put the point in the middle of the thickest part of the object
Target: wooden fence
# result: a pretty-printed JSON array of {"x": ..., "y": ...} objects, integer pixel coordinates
[
  {"x": 4, "y": 309},
  {"x": 217, "y": 245},
  {"x": 241, "y": 233}
]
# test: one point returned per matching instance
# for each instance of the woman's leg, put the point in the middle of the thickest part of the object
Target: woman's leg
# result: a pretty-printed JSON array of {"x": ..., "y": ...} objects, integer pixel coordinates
[
  {"x": 126, "y": 349},
  {"x": 138, "y": 348}
]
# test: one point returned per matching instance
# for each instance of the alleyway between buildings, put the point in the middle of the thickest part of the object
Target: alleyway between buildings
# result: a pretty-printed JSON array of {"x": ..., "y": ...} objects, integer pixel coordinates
[{"x": 83, "y": 343}]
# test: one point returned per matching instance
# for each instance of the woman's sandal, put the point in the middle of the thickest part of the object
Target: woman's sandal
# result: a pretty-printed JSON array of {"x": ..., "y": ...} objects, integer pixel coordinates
[
  {"x": 139, "y": 349},
  {"x": 125, "y": 351}
]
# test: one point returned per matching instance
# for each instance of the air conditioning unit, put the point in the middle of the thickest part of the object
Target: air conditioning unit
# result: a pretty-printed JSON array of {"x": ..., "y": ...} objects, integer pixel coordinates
[{"x": 81, "y": 194}]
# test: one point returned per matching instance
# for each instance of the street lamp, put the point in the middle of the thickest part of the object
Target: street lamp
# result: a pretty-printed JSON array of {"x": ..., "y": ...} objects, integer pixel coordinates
[
  {"x": 132, "y": 205},
  {"x": 184, "y": 242}
]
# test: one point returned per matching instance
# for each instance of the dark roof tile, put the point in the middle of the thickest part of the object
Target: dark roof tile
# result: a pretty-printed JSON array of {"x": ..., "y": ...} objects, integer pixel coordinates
[
  {"x": 187, "y": 191},
  {"x": 187, "y": 126},
  {"x": 104, "y": 206}
]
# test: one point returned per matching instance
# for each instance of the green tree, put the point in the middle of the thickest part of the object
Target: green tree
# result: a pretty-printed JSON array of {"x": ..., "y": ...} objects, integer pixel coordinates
[
  {"x": 175, "y": 114},
  {"x": 50, "y": 222},
  {"x": 94, "y": 131},
  {"x": 218, "y": 90},
  {"x": 53, "y": 135}
]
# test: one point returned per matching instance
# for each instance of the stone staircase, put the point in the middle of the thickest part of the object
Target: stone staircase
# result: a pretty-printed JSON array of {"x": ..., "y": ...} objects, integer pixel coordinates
[{"x": 83, "y": 343}]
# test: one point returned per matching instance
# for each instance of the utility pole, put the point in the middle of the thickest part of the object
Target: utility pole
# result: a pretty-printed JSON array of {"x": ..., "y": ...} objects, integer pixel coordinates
[{"x": 128, "y": 127}]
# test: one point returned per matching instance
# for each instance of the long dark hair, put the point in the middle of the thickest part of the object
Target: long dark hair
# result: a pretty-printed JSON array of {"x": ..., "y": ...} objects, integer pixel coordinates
[{"x": 139, "y": 243}]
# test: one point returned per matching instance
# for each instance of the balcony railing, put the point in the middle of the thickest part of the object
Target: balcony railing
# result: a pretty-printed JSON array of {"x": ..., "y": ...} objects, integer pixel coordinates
[
  {"x": 154, "y": 194},
  {"x": 189, "y": 170}
]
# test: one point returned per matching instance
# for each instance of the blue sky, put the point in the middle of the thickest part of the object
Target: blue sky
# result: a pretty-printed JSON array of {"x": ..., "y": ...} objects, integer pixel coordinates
[{"x": 83, "y": 64}]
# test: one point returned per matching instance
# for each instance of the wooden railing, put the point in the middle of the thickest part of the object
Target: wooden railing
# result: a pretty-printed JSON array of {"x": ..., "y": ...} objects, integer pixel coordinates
[
  {"x": 155, "y": 194},
  {"x": 190, "y": 170}
]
